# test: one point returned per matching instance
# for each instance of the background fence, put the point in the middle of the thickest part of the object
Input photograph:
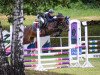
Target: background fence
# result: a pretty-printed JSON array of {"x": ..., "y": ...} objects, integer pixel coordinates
[{"x": 94, "y": 43}]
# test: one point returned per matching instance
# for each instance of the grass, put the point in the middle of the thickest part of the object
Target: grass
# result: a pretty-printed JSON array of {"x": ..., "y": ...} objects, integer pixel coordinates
[
  {"x": 81, "y": 14},
  {"x": 71, "y": 71},
  {"x": 28, "y": 21},
  {"x": 83, "y": 71}
]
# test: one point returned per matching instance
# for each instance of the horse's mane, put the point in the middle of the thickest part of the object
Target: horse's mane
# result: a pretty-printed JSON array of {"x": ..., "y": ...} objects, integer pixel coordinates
[{"x": 60, "y": 15}]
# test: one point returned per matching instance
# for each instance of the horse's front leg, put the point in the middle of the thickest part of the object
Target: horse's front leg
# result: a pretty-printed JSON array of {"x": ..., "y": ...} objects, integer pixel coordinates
[
  {"x": 66, "y": 27},
  {"x": 57, "y": 32}
]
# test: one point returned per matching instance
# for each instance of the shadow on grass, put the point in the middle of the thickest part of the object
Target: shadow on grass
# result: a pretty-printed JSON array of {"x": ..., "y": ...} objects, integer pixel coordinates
[{"x": 32, "y": 72}]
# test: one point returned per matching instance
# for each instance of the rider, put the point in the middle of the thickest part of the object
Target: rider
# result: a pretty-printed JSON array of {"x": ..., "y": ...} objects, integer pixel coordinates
[
  {"x": 50, "y": 16},
  {"x": 46, "y": 18}
]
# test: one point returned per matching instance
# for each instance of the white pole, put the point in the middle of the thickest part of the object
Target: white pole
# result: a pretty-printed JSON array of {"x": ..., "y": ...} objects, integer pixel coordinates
[
  {"x": 86, "y": 42},
  {"x": 69, "y": 44},
  {"x": 10, "y": 33},
  {"x": 78, "y": 42},
  {"x": 74, "y": 25},
  {"x": 87, "y": 63},
  {"x": 38, "y": 46},
  {"x": 61, "y": 43},
  {"x": 39, "y": 66}
]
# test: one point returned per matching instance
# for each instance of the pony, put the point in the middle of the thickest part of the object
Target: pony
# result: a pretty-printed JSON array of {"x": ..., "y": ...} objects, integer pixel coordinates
[{"x": 54, "y": 28}]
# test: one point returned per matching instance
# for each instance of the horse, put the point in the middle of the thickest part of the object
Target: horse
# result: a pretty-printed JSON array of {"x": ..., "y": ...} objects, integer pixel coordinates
[{"x": 54, "y": 28}]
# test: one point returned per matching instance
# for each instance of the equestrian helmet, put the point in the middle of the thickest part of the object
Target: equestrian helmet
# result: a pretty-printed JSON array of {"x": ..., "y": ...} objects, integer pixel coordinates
[{"x": 51, "y": 11}]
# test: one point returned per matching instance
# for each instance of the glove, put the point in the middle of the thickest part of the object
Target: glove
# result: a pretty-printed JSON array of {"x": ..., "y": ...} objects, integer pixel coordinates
[{"x": 55, "y": 17}]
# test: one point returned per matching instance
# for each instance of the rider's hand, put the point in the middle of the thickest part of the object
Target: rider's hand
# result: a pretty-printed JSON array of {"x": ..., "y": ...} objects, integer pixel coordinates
[{"x": 55, "y": 17}]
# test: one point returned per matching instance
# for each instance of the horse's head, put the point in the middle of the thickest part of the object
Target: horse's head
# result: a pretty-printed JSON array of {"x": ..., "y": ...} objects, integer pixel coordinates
[
  {"x": 60, "y": 18},
  {"x": 62, "y": 21}
]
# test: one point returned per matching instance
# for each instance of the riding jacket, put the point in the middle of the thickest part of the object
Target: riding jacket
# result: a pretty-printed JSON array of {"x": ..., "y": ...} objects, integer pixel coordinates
[{"x": 49, "y": 17}]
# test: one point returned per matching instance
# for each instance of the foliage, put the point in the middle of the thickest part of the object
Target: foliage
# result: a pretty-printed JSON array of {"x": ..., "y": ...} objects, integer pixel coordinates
[
  {"x": 36, "y": 6},
  {"x": 6, "y": 6}
]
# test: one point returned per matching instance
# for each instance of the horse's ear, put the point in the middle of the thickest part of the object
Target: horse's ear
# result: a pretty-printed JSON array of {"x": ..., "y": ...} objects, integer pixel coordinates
[{"x": 67, "y": 17}]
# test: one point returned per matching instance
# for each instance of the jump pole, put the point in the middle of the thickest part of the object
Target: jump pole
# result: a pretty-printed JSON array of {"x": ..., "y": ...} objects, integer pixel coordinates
[
  {"x": 86, "y": 63},
  {"x": 77, "y": 42},
  {"x": 74, "y": 38},
  {"x": 39, "y": 65}
]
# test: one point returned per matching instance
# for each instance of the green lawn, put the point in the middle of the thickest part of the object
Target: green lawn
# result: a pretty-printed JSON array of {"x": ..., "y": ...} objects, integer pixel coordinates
[
  {"x": 75, "y": 13},
  {"x": 81, "y": 14},
  {"x": 71, "y": 71},
  {"x": 83, "y": 71}
]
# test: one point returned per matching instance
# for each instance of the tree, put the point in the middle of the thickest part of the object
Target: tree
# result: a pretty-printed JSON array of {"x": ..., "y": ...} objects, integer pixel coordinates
[
  {"x": 36, "y": 6},
  {"x": 31, "y": 6}
]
